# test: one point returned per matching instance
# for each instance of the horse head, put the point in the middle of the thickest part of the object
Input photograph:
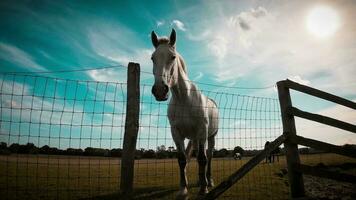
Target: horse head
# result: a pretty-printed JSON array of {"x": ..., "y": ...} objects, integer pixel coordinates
[{"x": 164, "y": 60}]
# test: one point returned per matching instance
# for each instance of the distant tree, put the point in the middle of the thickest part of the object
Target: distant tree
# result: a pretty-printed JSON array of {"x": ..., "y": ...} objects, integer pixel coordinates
[
  {"x": 350, "y": 146},
  {"x": 221, "y": 153},
  {"x": 161, "y": 148},
  {"x": 149, "y": 154},
  {"x": 90, "y": 151},
  {"x": 161, "y": 152},
  {"x": 251, "y": 152},
  {"x": 72, "y": 151},
  {"x": 14, "y": 148},
  {"x": 116, "y": 152},
  {"x": 171, "y": 153},
  {"x": 3, "y": 149},
  {"x": 139, "y": 153},
  {"x": 3, "y": 145},
  {"x": 30, "y": 148},
  {"x": 44, "y": 149},
  {"x": 239, "y": 150}
]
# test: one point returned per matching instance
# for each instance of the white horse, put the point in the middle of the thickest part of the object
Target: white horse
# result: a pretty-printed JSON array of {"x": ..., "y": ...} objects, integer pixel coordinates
[{"x": 191, "y": 114}]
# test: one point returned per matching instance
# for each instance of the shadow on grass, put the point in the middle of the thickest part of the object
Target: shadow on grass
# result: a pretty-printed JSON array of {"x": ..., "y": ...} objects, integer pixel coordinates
[
  {"x": 146, "y": 193},
  {"x": 141, "y": 194}
]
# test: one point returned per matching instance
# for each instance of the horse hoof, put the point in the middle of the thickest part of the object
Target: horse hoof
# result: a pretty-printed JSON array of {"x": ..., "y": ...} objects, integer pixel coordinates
[
  {"x": 211, "y": 183},
  {"x": 182, "y": 194},
  {"x": 202, "y": 193}
]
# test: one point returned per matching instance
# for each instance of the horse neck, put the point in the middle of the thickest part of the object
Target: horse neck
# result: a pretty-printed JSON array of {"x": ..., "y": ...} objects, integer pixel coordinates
[{"x": 182, "y": 89}]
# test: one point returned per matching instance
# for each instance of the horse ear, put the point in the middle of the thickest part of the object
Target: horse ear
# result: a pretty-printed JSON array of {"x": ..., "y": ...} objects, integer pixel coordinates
[
  {"x": 172, "y": 38},
  {"x": 154, "y": 39}
]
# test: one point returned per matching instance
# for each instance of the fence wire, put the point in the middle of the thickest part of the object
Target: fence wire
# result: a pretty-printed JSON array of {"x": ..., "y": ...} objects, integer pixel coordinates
[
  {"x": 59, "y": 136},
  {"x": 62, "y": 139}
]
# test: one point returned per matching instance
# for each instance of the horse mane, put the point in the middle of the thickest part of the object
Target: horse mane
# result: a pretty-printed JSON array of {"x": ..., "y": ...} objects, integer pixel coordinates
[
  {"x": 163, "y": 40},
  {"x": 180, "y": 58}
]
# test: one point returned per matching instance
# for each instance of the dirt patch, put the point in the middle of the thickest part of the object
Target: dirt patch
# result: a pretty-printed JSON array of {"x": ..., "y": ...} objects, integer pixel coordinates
[
  {"x": 321, "y": 188},
  {"x": 317, "y": 188}
]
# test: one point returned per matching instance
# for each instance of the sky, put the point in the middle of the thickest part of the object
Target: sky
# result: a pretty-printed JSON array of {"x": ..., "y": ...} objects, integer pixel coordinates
[{"x": 244, "y": 44}]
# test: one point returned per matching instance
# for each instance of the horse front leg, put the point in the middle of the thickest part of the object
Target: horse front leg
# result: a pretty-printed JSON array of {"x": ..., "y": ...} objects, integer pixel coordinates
[
  {"x": 183, "y": 183},
  {"x": 211, "y": 145},
  {"x": 202, "y": 161},
  {"x": 182, "y": 162}
]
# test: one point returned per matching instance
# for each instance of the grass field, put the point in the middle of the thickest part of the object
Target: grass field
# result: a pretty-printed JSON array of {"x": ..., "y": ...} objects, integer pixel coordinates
[{"x": 73, "y": 177}]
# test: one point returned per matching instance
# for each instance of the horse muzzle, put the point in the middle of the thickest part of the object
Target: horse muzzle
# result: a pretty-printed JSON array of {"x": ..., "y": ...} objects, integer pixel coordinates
[{"x": 160, "y": 92}]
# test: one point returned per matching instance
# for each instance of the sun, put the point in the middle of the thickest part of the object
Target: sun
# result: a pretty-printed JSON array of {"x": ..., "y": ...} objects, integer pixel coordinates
[{"x": 323, "y": 21}]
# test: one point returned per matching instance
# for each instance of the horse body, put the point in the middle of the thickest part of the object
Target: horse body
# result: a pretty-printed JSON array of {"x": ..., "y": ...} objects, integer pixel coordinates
[
  {"x": 191, "y": 109},
  {"x": 191, "y": 115}
]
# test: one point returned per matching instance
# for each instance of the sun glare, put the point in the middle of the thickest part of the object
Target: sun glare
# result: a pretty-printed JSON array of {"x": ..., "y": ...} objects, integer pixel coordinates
[{"x": 323, "y": 21}]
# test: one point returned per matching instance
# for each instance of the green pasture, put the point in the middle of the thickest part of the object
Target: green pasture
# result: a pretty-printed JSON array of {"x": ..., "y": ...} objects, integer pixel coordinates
[{"x": 74, "y": 177}]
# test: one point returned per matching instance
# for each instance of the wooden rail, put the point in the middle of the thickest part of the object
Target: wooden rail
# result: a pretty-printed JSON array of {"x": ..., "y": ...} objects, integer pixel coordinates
[
  {"x": 231, "y": 180},
  {"x": 131, "y": 130},
  {"x": 325, "y": 146},
  {"x": 318, "y": 93},
  {"x": 322, "y": 119}
]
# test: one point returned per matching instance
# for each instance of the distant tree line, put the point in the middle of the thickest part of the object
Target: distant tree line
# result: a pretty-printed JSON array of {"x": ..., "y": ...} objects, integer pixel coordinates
[{"x": 161, "y": 152}]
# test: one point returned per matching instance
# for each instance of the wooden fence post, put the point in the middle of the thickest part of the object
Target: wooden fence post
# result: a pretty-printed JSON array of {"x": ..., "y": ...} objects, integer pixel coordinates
[
  {"x": 292, "y": 155},
  {"x": 131, "y": 130}
]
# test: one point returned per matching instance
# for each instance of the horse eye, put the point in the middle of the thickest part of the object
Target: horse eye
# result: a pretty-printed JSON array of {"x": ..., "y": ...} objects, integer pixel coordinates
[{"x": 173, "y": 57}]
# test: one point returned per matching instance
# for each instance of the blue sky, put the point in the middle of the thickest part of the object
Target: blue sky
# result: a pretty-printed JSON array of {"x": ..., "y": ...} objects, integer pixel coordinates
[{"x": 228, "y": 43}]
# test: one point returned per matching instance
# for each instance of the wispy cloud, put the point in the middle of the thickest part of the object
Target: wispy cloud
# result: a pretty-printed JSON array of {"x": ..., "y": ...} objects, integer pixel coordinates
[
  {"x": 111, "y": 75},
  {"x": 160, "y": 23},
  {"x": 18, "y": 57},
  {"x": 246, "y": 20},
  {"x": 203, "y": 35},
  {"x": 237, "y": 34},
  {"x": 179, "y": 24},
  {"x": 198, "y": 76},
  {"x": 298, "y": 79},
  {"x": 119, "y": 45}
]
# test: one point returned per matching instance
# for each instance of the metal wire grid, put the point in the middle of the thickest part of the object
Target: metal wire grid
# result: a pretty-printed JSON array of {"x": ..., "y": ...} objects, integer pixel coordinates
[
  {"x": 76, "y": 114},
  {"x": 60, "y": 113}
]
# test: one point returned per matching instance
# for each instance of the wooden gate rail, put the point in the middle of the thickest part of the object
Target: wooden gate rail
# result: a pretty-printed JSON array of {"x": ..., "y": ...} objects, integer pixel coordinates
[
  {"x": 317, "y": 93},
  {"x": 322, "y": 119},
  {"x": 342, "y": 150},
  {"x": 231, "y": 180}
]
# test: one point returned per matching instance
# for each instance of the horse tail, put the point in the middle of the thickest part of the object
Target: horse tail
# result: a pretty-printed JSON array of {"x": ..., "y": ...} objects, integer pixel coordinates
[{"x": 212, "y": 100}]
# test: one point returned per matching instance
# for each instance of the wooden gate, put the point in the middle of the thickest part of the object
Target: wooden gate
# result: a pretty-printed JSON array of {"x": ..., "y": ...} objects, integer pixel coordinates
[{"x": 291, "y": 141}]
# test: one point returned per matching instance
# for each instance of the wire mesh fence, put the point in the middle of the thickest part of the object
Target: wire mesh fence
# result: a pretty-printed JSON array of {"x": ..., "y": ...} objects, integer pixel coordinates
[
  {"x": 59, "y": 136},
  {"x": 62, "y": 139}
]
